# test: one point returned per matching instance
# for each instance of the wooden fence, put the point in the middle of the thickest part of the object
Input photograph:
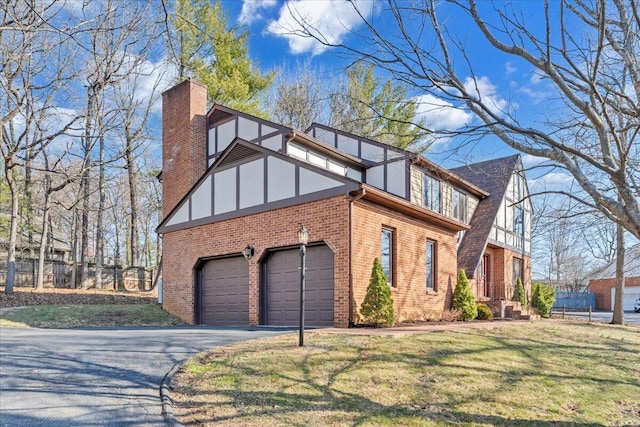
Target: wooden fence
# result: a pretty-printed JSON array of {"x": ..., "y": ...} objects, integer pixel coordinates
[{"x": 57, "y": 274}]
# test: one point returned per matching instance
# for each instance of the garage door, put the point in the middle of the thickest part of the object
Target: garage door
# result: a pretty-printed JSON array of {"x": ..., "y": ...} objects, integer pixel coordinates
[
  {"x": 631, "y": 294},
  {"x": 283, "y": 287},
  {"x": 225, "y": 292}
]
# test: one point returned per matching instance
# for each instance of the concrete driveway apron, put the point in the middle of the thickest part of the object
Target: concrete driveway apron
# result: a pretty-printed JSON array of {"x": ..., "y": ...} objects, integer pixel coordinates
[{"x": 96, "y": 377}]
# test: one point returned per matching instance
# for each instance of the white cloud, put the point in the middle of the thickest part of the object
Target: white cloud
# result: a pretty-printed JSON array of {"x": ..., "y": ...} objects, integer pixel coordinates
[
  {"x": 528, "y": 160},
  {"x": 440, "y": 114},
  {"x": 536, "y": 77},
  {"x": 251, "y": 10},
  {"x": 557, "y": 180},
  {"x": 509, "y": 68},
  {"x": 482, "y": 89},
  {"x": 329, "y": 20}
]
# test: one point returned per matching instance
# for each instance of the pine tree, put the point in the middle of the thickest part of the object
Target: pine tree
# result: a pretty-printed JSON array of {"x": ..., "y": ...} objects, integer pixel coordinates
[
  {"x": 204, "y": 48},
  {"x": 463, "y": 300},
  {"x": 520, "y": 295},
  {"x": 377, "y": 307},
  {"x": 380, "y": 111}
]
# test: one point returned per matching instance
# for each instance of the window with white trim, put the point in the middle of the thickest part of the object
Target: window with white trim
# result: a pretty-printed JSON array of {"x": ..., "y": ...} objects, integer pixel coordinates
[
  {"x": 431, "y": 265},
  {"x": 386, "y": 256},
  {"x": 431, "y": 193}
]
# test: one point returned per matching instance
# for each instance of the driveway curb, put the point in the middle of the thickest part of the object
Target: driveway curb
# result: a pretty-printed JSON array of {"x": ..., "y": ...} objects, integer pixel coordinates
[{"x": 165, "y": 396}]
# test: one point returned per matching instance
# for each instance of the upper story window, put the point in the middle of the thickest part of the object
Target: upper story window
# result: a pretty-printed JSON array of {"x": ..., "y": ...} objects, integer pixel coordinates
[
  {"x": 322, "y": 161},
  {"x": 460, "y": 206},
  {"x": 431, "y": 193},
  {"x": 386, "y": 256},
  {"x": 518, "y": 220}
]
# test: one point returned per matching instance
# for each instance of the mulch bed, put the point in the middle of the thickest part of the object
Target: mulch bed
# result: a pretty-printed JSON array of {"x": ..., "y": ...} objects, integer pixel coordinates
[{"x": 29, "y": 296}]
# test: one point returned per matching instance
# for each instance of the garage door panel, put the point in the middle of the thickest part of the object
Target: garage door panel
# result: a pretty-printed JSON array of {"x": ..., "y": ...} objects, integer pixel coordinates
[
  {"x": 283, "y": 287},
  {"x": 225, "y": 292}
]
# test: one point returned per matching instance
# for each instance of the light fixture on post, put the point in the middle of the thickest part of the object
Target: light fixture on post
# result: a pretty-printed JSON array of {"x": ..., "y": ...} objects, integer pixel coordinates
[
  {"x": 248, "y": 252},
  {"x": 303, "y": 239}
]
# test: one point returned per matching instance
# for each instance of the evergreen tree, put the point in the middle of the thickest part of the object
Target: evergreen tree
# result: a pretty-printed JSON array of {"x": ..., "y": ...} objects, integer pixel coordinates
[
  {"x": 205, "y": 48},
  {"x": 542, "y": 298},
  {"x": 377, "y": 307},
  {"x": 380, "y": 111},
  {"x": 463, "y": 300},
  {"x": 520, "y": 295}
]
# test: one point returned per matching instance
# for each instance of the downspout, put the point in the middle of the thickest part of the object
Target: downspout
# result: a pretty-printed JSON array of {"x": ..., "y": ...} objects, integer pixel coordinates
[{"x": 359, "y": 195}]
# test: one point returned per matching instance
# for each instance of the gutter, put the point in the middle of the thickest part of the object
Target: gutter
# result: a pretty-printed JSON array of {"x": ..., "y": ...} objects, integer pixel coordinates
[{"x": 356, "y": 195}]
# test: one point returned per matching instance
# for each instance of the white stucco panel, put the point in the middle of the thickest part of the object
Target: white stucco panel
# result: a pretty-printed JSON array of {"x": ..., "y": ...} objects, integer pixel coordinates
[
  {"x": 201, "y": 200},
  {"x": 224, "y": 188},
  {"x": 375, "y": 176},
  {"x": 252, "y": 184},
  {"x": 181, "y": 215},
  {"x": 310, "y": 182},
  {"x": 396, "y": 178},
  {"x": 281, "y": 179}
]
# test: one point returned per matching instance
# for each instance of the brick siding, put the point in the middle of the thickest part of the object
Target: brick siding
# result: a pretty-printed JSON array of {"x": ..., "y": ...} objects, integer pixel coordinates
[
  {"x": 184, "y": 140},
  {"x": 410, "y": 296},
  {"x": 326, "y": 220},
  {"x": 602, "y": 289}
]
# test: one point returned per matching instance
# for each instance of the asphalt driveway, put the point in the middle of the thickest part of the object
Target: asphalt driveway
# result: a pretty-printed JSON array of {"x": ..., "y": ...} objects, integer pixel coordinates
[{"x": 96, "y": 377}]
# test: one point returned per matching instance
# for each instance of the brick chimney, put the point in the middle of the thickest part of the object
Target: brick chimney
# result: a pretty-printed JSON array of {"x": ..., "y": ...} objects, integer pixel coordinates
[{"x": 184, "y": 138}]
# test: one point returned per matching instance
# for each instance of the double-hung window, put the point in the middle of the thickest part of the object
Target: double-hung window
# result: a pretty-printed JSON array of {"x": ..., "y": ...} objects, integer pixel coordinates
[
  {"x": 460, "y": 206},
  {"x": 431, "y": 193},
  {"x": 431, "y": 265},
  {"x": 386, "y": 257}
]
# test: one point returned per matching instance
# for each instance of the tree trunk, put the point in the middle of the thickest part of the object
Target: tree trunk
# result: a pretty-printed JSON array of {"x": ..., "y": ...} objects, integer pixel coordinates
[
  {"x": 86, "y": 191},
  {"x": 618, "y": 307},
  {"x": 13, "y": 228},
  {"x": 100, "y": 214},
  {"x": 74, "y": 251},
  {"x": 44, "y": 235},
  {"x": 133, "y": 202}
]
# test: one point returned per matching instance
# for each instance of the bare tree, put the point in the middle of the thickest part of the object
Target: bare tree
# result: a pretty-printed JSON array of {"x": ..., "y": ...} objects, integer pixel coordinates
[
  {"x": 594, "y": 71},
  {"x": 33, "y": 72},
  {"x": 297, "y": 98}
]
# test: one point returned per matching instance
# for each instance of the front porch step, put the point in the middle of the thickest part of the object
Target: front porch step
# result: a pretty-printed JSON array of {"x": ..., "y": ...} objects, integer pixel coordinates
[{"x": 513, "y": 310}]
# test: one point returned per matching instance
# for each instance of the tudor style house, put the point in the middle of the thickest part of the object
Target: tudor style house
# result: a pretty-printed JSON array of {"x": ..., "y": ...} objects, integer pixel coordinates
[{"x": 237, "y": 188}]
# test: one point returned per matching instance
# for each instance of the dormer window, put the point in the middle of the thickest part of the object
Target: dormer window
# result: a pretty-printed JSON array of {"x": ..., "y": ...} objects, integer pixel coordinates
[
  {"x": 322, "y": 161},
  {"x": 460, "y": 206},
  {"x": 432, "y": 193}
]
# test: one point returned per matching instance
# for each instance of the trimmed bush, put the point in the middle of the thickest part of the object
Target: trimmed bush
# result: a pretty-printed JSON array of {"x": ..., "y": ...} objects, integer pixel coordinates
[
  {"x": 463, "y": 300},
  {"x": 377, "y": 307},
  {"x": 542, "y": 298},
  {"x": 520, "y": 295},
  {"x": 484, "y": 312}
]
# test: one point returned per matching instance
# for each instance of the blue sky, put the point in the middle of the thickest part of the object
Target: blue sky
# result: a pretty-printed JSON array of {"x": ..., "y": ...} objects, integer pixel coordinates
[{"x": 508, "y": 83}]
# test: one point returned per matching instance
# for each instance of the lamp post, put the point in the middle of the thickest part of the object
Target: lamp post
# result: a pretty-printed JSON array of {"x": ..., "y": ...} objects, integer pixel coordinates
[{"x": 303, "y": 239}]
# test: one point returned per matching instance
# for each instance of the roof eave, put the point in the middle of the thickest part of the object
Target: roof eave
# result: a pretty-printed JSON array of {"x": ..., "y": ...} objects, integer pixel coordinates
[{"x": 385, "y": 199}]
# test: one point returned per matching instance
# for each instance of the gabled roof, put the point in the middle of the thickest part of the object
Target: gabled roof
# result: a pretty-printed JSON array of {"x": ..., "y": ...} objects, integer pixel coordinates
[
  {"x": 631, "y": 266},
  {"x": 492, "y": 176},
  {"x": 238, "y": 152}
]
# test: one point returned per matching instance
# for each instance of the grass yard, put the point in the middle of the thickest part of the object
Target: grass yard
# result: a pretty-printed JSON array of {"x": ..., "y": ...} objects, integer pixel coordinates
[
  {"x": 547, "y": 373},
  {"x": 88, "y": 315}
]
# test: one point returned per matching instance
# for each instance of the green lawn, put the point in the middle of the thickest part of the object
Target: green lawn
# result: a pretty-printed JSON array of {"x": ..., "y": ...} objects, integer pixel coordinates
[
  {"x": 540, "y": 374},
  {"x": 88, "y": 315}
]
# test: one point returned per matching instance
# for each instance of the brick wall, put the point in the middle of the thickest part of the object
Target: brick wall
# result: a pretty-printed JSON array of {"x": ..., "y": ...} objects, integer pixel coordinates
[
  {"x": 183, "y": 140},
  {"x": 602, "y": 289},
  {"x": 327, "y": 220},
  {"x": 410, "y": 296}
]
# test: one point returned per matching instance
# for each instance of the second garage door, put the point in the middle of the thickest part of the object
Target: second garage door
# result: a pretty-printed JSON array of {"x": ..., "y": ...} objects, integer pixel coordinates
[
  {"x": 283, "y": 287},
  {"x": 225, "y": 292}
]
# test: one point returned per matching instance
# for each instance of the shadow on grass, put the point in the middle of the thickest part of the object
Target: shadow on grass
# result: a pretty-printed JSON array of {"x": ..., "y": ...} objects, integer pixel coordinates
[{"x": 353, "y": 408}]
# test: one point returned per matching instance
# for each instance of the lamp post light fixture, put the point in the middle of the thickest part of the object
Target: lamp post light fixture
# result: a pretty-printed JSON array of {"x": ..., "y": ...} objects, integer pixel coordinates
[
  {"x": 248, "y": 252},
  {"x": 303, "y": 239}
]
